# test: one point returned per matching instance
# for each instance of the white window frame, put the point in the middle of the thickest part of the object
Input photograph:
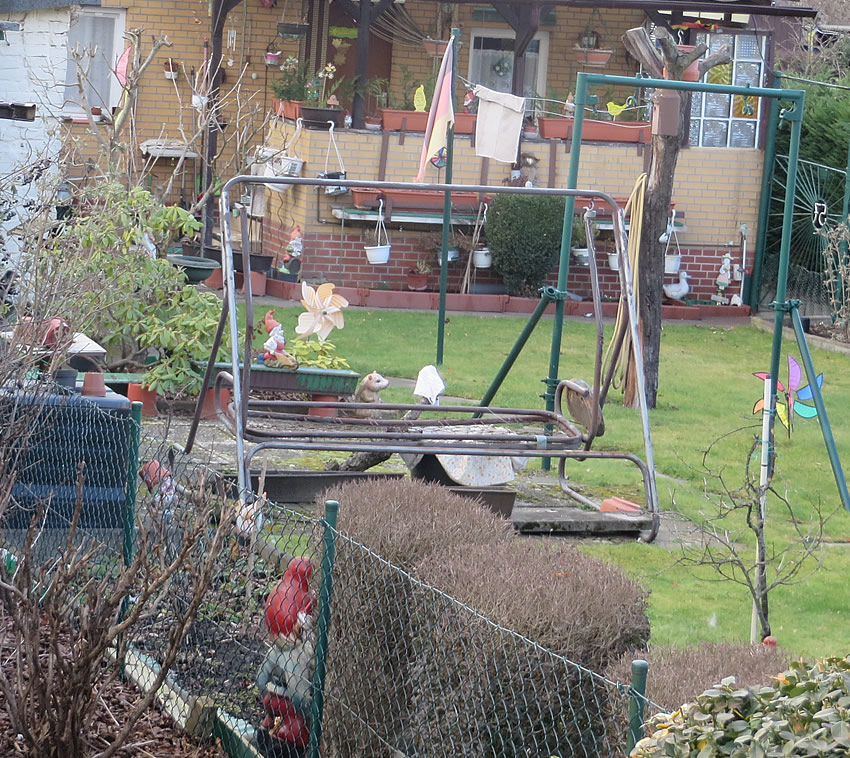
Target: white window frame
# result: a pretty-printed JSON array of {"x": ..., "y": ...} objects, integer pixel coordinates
[
  {"x": 731, "y": 118},
  {"x": 501, "y": 33},
  {"x": 72, "y": 109}
]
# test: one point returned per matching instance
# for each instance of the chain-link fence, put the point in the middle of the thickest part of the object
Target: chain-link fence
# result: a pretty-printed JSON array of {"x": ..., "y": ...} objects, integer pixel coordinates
[{"x": 268, "y": 629}]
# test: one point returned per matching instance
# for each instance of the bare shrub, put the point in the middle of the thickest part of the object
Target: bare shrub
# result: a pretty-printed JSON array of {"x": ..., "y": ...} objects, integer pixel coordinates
[
  {"x": 406, "y": 523},
  {"x": 678, "y": 674},
  {"x": 498, "y": 695}
]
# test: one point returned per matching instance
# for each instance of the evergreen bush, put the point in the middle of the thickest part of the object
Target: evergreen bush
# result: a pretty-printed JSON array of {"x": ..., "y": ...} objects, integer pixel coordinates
[{"x": 524, "y": 235}]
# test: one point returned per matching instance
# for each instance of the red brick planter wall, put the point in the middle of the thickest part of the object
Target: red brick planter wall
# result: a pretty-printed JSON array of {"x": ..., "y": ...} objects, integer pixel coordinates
[{"x": 339, "y": 257}]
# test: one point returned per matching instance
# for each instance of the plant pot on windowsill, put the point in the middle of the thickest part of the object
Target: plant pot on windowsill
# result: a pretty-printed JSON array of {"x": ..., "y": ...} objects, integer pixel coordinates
[
  {"x": 317, "y": 118},
  {"x": 593, "y": 56},
  {"x": 614, "y": 261}
]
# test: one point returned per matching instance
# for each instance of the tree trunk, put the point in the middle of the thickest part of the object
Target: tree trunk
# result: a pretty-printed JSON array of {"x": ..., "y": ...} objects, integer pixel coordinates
[
  {"x": 659, "y": 193},
  {"x": 669, "y": 63}
]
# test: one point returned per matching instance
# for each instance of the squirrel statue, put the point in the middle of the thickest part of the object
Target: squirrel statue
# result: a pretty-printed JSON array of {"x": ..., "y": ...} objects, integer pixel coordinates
[{"x": 368, "y": 392}]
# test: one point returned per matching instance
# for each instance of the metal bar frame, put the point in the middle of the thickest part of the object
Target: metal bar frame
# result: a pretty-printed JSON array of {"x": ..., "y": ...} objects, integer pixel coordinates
[{"x": 240, "y": 379}]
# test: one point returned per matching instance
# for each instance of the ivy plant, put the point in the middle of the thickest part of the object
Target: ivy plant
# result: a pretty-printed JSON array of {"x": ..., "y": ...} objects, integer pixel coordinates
[{"x": 806, "y": 713}]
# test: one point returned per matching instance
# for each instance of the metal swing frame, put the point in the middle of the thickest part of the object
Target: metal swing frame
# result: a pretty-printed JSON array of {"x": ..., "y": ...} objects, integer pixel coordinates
[{"x": 556, "y": 436}]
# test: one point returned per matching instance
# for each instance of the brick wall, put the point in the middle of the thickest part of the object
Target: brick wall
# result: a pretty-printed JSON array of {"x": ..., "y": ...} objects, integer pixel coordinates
[{"x": 716, "y": 190}]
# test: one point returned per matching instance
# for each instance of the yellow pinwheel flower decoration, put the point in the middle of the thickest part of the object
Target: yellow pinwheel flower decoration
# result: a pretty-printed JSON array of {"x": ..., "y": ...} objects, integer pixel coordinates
[{"x": 324, "y": 311}]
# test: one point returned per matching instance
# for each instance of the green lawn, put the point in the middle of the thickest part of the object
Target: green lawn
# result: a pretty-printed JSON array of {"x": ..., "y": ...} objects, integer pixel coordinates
[{"x": 706, "y": 391}]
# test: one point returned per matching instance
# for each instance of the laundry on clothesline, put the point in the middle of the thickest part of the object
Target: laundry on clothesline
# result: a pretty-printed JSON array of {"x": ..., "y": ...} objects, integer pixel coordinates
[{"x": 499, "y": 124}]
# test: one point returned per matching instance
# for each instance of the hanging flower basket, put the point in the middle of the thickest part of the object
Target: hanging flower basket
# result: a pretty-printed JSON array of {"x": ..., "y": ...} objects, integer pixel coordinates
[
  {"x": 593, "y": 56},
  {"x": 482, "y": 258}
]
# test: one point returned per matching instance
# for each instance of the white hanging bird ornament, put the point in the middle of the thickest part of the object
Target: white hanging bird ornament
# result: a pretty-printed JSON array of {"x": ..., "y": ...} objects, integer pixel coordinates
[{"x": 678, "y": 290}]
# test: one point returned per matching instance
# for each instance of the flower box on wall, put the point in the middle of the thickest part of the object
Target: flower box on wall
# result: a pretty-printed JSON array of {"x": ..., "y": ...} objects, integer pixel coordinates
[
  {"x": 410, "y": 121},
  {"x": 287, "y": 108},
  {"x": 465, "y": 123},
  {"x": 554, "y": 127},
  {"x": 412, "y": 199},
  {"x": 318, "y": 118}
]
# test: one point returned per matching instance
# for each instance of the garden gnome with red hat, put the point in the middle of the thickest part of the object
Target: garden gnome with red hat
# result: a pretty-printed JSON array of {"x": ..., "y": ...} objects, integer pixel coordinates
[{"x": 286, "y": 674}]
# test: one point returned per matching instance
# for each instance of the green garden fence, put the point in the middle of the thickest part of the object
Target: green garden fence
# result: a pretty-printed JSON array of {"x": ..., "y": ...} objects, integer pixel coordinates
[{"x": 281, "y": 635}]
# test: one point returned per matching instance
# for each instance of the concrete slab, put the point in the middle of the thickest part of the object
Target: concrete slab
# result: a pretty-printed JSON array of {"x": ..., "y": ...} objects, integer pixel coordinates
[{"x": 576, "y": 521}]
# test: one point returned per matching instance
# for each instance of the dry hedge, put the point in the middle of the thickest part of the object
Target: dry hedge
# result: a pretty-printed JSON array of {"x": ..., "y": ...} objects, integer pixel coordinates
[
  {"x": 414, "y": 670},
  {"x": 404, "y": 522}
]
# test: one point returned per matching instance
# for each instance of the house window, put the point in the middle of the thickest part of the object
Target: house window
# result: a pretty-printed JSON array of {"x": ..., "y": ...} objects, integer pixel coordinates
[
  {"x": 491, "y": 60},
  {"x": 98, "y": 33},
  {"x": 726, "y": 120}
]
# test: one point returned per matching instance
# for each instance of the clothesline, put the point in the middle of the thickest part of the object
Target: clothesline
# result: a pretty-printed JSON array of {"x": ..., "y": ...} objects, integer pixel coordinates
[{"x": 471, "y": 85}]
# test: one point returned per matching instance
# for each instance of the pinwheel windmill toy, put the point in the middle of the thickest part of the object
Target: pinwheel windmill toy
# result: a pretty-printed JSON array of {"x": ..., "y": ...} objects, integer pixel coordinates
[{"x": 795, "y": 395}]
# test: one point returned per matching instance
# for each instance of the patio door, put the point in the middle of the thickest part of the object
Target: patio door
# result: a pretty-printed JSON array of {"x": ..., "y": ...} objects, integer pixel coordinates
[{"x": 491, "y": 61}]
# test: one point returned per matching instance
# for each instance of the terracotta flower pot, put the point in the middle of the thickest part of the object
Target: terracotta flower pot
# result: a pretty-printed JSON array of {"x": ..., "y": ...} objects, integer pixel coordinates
[
  {"x": 258, "y": 284},
  {"x": 593, "y": 56},
  {"x": 136, "y": 393},
  {"x": 93, "y": 384},
  {"x": 417, "y": 282},
  {"x": 410, "y": 121},
  {"x": 208, "y": 410},
  {"x": 328, "y": 412}
]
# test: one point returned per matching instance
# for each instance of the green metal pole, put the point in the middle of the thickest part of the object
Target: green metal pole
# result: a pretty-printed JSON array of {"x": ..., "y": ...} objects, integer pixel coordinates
[
  {"x": 754, "y": 285},
  {"x": 823, "y": 419},
  {"x": 581, "y": 100},
  {"x": 323, "y": 625},
  {"x": 795, "y": 116},
  {"x": 842, "y": 248},
  {"x": 547, "y": 295},
  {"x": 132, "y": 478},
  {"x": 447, "y": 212},
  {"x": 637, "y": 699}
]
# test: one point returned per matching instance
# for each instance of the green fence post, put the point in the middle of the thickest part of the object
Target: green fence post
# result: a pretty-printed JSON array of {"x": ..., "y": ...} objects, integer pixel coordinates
[
  {"x": 322, "y": 625},
  {"x": 132, "y": 478},
  {"x": 637, "y": 699}
]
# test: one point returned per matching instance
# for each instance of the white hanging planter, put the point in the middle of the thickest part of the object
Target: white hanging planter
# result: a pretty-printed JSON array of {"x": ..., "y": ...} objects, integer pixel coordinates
[
  {"x": 377, "y": 254},
  {"x": 582, "y": 255},
  {"x": 672, "y": 263},
  {"x": 614, "y": 261},
  {"x": 482, "y": 258}
]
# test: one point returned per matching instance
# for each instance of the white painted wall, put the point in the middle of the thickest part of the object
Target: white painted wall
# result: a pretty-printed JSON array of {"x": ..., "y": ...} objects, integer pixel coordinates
[{"x": 32, "y": 69}]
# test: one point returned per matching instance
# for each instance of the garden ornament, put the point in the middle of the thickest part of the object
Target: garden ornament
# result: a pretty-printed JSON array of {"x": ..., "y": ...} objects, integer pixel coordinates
[
  {"x": 724, "y": 276},
  {"x": 368, "y": 392},
  {"x": 276, "y": 355},
  {"x": 324, "y": 311},
  {"x": 793, "y": 407},
  {"x": 678, "y": 290},
  {"x": 159, "y": 480},
  {"x": 286, "y": 673}
]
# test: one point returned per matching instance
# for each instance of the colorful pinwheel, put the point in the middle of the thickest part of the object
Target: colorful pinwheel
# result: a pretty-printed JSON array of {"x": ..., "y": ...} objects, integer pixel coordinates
[
  {"x": 324, "y": 311},
  {"x": 794, "y": 395}
]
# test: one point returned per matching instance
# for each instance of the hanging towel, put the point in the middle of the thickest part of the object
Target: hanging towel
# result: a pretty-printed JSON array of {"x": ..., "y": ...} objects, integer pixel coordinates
[{"x": 499, "y": 124}]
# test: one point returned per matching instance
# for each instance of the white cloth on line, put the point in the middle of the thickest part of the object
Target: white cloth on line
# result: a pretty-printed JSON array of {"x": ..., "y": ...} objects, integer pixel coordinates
[{"x": 498, "y": 125}]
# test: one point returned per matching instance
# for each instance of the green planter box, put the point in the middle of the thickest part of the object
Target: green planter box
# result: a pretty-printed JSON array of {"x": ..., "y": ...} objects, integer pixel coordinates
[{"x": 310, "y": 381}]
